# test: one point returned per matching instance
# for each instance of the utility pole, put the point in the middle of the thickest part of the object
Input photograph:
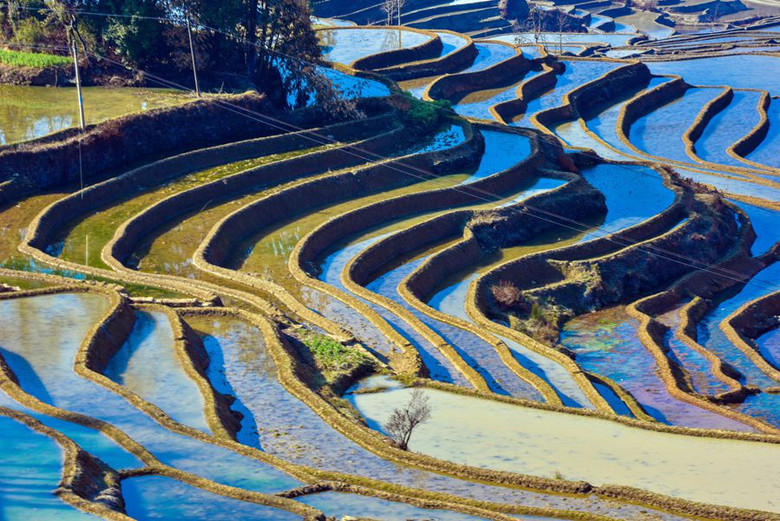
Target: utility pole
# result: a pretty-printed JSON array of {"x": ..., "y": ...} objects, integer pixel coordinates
[
  {"x": 82, "y": 123},
  {"x": 192, "y": 53}
]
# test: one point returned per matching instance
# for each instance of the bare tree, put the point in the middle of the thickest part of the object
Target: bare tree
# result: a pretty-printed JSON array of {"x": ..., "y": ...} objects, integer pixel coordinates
[
  {"x": 393, "y": 9},
  {"x": 404, "y": 420},
  {"x": 562, "y": 20}
]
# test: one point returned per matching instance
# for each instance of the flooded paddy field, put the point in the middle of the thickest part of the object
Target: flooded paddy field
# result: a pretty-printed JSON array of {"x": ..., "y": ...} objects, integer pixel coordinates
[{"x": 589, "y": 324}]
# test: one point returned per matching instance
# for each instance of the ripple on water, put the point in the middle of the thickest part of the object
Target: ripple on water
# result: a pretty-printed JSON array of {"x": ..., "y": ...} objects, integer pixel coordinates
[
  {"x": 606, "y": 342},
  {"x": 30, "y": 472},
  {"x": 157, "y": 497}
]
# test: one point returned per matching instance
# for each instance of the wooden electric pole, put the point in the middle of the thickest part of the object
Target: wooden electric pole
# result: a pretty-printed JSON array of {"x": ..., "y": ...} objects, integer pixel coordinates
[
  {"x": 192, "y": 53},
  {"x": 82, "y": 122}
]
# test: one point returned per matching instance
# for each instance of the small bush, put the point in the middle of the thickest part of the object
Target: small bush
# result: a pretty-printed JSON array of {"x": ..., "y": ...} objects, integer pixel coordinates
[
  {"x": 425, "y": 114},
  {"x": 331, "y": 354},
  {"x": 28, "y": 59},
  {"x": 506, "y": 294}
]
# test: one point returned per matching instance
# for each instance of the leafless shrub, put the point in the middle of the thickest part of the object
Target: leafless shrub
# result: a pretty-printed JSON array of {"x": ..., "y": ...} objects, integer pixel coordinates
[
  {"x": 506, "y": 294},
  {"x": 404, "y": 420}
]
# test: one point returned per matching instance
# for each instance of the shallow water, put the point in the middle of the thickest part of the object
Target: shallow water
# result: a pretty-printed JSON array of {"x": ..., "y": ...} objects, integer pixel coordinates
[
  {"x": 91, "y": 440},
  {"x": 308, "y": 440},
  {"x": 606, "y": 343},
  {"x": 766, "y": 152},
  {"x": 337, "y": 505},
  {"x": 764, "y": 223},
  {"x": 30, "y": 472},
  {"x": 502, "y": 151},
  {"x": 604, "y": 124},
  {"x": 764, "y": 406},
  {"x": 769, "y": 346},
  {"x": 61, "y": 321},
  {"x": 32, "y": 112},
  {"x": 615, "y": 40},
  {"x": 622, "y": 185},
  {"x": 347, "y": 45},
  {"x": 698, "y": 367},
  {"x": 157, "y": 497},
  {"x": 733, "y": 185},
  {"x": 727, "y": 127},
  {"x": 353, "y": 87},
  {"x": 489, "y": 54},
  {"x": 147, "y": 364},
  {"x": 660, "y": 132},
  {"x": 577, "y": 73},
  {"x": 726, "y": 70},
  {"x": 451, "y": 42},
  {"x": 543, "y": 443}
]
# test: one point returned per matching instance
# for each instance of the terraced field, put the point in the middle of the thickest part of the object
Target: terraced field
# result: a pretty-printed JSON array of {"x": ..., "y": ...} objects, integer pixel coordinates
[{"x": 577, "y": 264}]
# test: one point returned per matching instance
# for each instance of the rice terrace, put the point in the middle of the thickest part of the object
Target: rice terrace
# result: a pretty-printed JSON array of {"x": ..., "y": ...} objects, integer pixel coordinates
[{"x": 390, "y": 260}]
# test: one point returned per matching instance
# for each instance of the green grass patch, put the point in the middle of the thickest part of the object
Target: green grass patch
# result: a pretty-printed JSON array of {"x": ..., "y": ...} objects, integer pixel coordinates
[
  {"x": 29, "y": 59},
  {"x": 332, "y": 355}
]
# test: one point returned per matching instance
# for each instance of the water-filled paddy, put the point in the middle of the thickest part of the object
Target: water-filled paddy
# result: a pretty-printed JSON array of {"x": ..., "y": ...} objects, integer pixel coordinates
[
  {"x": 148, "y": 365},
  {"x": 337, "y": 505},
  {"x": 290, "y": 429},
  {"x": 542, "y": 443},
  {"x": 577, "y": 73},
  {"x": 157, "y": 497},
  {"x": 699, "y": 368},
  {"x": 623, "y": 185},
  {"x": 30, "y": 472},
  {"x": 766, "y": 152},
  {"x": 84, "y": 240},
  {"x": 727, "y": 127},
  {"x": 32, "y": 112},
  {"x": 606, "y": 343},
  {"x": 764, "y": 405},
  {"x": 61, "y": 321},
  {"x": 347, "y": 45},
  {"x": 604, "y": 123},
  {"x": 660, "y": 132},
  {"x": 726, "y": 70},
  {"x": 489, "y": 54}
]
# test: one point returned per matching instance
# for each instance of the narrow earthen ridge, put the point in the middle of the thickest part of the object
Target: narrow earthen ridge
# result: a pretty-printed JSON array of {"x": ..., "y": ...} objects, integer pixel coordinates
[
  {"x": 213, "y": 251},
  {"x": 420, "y": 284},
  {"x": 690, "y": 314},
  {"x": 714, "y": 107},
  {"x": 100, "y": 195},
  {"x": 747, "y": 144},
  {"x": 194, "y": 360},
  {"x": 87, "y": 484},
  {"x": 531, "y": 88},
  {"x": 290, "y": 373},
  {"x": 578, "y": 100},
  {"x": 651, "y": 334},
  {"x": 645, "y": 103},
  {"x": 454, "y": 86},
  {"x": 10, "y": 384},
  {"x": 268, "y": 328},
  {"x": 369, "y": 260},
  {"x": 286, "y": 358},
  {"x": 338, "y": 228},
  {"x": 452, "y": 62},
  {"x": 750, "y": 321},
  {"x": 654, "y": 262},
  {"x": 155, "y": 467},
  {"x": 105, "y": 147}
]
